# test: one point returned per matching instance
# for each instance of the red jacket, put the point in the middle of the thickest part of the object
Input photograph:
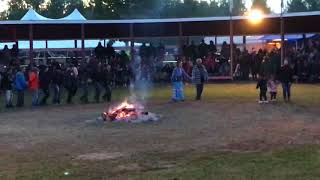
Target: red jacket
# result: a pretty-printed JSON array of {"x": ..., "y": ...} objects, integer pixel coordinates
[{"x": 33, "y": 81}]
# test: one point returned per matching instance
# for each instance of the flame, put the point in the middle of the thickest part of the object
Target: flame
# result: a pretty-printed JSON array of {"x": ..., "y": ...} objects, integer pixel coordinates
[{"x": 123, "y": 111}]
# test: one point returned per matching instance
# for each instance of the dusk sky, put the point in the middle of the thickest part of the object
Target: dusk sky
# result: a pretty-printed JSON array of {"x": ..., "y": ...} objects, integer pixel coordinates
[{"x": 274, "y": 4}]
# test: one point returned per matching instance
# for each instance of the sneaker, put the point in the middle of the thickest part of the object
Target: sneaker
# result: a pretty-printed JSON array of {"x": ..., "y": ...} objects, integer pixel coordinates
[
  {"x": 265, "y": 102},
  {"x": 260, "y": 102}
]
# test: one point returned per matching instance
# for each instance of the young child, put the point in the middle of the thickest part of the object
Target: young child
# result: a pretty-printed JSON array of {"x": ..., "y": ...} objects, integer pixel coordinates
[
  {"x": 272, "y": 88},
  {"x": 262, "y": 84}
]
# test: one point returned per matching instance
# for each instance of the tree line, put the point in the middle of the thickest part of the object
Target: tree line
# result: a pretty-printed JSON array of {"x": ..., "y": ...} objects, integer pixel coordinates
[{"x": 128, "y": 9}]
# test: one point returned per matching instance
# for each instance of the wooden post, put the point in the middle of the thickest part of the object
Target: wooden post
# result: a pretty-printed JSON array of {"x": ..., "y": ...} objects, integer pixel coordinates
[
  {"x": 216, "y": 40},
  {"x": 45, "y": 52},
  {"x": 15, "y": 37},
  {"x": 231, "y": 46},
  {"x": 282, "y": 35},
  {"x": 31, "y": 44},
  {"x": 82, "y": 42},
  {"x": 132, "y": 51},
  {"x": 180, "y": 39}
]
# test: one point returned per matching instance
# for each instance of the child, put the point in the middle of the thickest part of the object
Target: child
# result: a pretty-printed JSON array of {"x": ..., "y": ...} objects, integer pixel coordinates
[
  {"x": 262, "y": 84},
  {"x": 272, "y": 88}
]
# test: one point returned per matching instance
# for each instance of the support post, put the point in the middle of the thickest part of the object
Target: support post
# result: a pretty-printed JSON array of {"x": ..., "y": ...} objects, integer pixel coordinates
[
  {"x": 132, "y": 51},
  {"x": 180, "y": 39},
  {"x": 45, "y": 52},
  {"x": 15, "y": 38},
  {"x": 231, "y": 46},
  {"x": 31, "y": 44},
  {"x": 216, "y": 40},
  {"x": 244, "y": 41},
  {"x": 83, "y": 43},
  {"x": 282, "y": 35},
  {"x": 75, "y": 44}
]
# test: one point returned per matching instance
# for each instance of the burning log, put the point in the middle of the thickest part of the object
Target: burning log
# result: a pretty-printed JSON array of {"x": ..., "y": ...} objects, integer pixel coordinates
[{"x": 128, "y": 112}]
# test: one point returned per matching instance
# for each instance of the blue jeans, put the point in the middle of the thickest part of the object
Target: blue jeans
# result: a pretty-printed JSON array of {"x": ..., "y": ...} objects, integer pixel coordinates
[
  {"x": 35, "y": 97},
  {"x": 286, "y": 91},
  {"x": 178, "y": 92},
  {"x": 56, "y": 94},
  {"x": 85, "y": 92}
]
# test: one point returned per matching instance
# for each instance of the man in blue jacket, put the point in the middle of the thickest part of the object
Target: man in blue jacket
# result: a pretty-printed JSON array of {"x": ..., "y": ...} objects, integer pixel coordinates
[{"x": 20, "y": 85}]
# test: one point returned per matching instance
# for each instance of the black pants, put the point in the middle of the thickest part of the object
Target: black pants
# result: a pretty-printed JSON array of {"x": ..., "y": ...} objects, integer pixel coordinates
[
  {"x": 97, "y": 87},
  {"x": 263, "y": 95},
  {"x": 108, "y": 93},
  {"x": 199, "y": 91},
  {"x": 273, "y": 95},
  {"x": 46, "y": 93},
  {"x": 71, "y": 93},
  {"x": 85, "y": 93},
  {"x": 20, "y": 98}
]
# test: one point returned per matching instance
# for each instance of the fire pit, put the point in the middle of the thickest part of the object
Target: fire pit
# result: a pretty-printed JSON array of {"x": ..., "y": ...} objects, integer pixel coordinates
[{"x": 126, "y": 112}]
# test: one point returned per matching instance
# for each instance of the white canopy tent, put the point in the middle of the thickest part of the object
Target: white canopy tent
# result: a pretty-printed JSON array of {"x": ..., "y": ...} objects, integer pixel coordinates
[{"x": 32, "y": 15}]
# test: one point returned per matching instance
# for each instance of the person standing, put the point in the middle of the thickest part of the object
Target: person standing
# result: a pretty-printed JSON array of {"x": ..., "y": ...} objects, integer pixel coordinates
[
  {"x": 20, "y": 85},
  {"x": 6, "y": 85},
  {"x": 177, "y": 77},
  {"x": 262, "y": 85},
  {"x": 108, "y": 77},
  {"x": 286, "y": 78},
  {"x": 84, "y": 82},
  {"x": 45, "y": 79},
  {"x": 57, "y": 79},
  {"x": 199, "y": 77},
  {"x": 71, "y": 84},
  {"x": 34, "y": 86},
  {"x": 97, "y": 78}
]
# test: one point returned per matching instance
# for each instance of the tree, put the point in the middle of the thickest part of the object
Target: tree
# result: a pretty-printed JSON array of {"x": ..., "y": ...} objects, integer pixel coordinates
[
  {"x": 16, "y": 10},
  {"x": 262, "y": 5},
  {"x": 56, "y": 8},
  {"x": 297, "y": 6},
  {"x": 239, "y": 7},
  {"x": 74, "y": 4},
  {"x": 313, "y": 5},
  {"x": 35, "y": 4}
]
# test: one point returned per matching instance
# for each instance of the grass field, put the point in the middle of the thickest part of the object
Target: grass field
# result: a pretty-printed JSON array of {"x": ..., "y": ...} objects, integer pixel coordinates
[{"x": 226, "y": 136}]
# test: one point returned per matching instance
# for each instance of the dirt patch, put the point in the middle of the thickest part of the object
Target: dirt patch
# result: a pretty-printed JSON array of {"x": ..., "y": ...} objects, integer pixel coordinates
[
  {"x": 99, "y": 156},
  {"x": 195, "y": 126}
]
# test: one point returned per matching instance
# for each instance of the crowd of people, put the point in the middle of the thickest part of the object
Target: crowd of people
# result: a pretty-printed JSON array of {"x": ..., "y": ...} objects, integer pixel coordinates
[
  {"x": 110, "y": 68},
  {"x": 44, "y": 80}
]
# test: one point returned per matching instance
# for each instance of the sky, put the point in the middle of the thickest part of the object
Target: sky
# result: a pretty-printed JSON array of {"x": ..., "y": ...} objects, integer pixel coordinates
[{"x": 274, "y": 4}]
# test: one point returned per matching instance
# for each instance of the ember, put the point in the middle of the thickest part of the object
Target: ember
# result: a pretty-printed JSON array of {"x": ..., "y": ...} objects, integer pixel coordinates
[{"x": 128, "y": 113}]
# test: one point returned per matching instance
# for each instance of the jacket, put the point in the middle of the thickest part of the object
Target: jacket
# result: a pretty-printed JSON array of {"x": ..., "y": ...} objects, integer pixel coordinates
[
  {"x": 20, "y": 82},
  {"x": 45, "y": 79},
  {"x": 33, "y": 81},
  {"x": 178, "y": 75},
  {"x": 272, "y": 85},
  {"x": 199, "y": 74},
  {"x": 262, "y": 84},
  {"x": 286, "y": 74},
  {"x": 6, "y": 81}
]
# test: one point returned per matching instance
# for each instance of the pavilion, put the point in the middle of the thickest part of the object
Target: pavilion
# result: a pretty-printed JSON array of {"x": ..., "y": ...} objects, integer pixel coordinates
[{"x": 33, "y": 26}]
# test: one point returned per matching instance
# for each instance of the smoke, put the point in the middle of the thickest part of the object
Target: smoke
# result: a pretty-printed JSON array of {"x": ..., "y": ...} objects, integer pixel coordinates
[{"x": 142, "y": 84}]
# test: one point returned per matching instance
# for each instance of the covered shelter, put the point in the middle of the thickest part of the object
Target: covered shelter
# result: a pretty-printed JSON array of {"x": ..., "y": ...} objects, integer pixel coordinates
[{"x": 36, "y": 27}]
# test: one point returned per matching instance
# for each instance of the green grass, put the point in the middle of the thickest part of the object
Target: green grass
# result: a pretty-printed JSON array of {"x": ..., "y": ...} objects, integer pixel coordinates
[
  {"x": 303, "y": 94},
  {"x": 301, "y": 163},
  {"x": 298, "y": 163}
]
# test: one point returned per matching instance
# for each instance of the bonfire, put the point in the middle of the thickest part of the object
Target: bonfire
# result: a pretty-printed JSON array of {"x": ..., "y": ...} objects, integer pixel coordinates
[{"x": 127, "y": 112}]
